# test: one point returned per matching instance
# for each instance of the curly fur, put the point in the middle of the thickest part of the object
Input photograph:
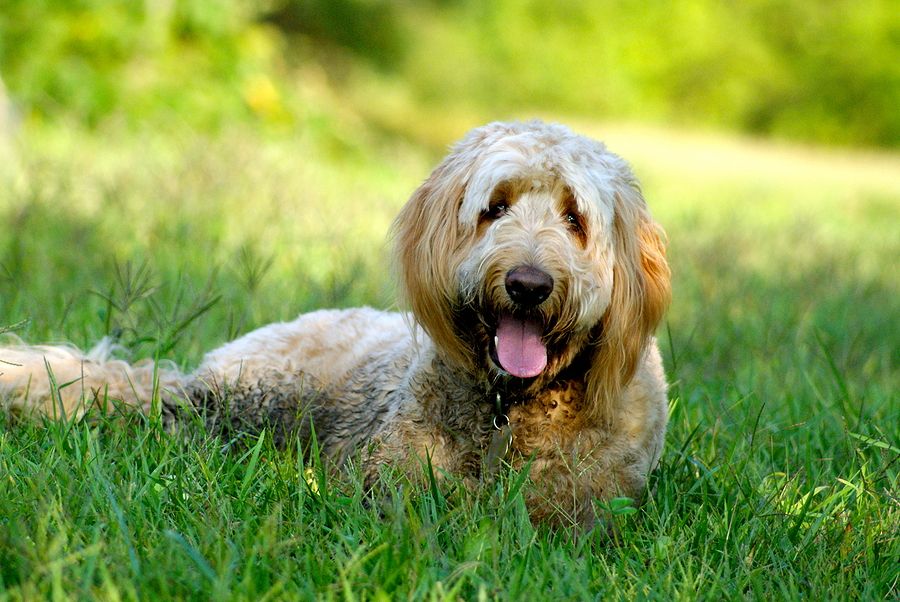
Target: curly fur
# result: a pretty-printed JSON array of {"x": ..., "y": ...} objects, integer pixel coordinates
[{"x": 398, "y": 390}]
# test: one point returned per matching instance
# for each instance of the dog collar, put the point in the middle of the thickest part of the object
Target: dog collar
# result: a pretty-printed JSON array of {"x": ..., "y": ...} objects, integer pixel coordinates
[{"x": 502, "y": 438}]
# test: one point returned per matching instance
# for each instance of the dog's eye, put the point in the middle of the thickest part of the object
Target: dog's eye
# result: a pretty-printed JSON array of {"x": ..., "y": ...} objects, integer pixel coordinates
[
  {"x": 574, "y": 221},
  {"x": 495, "y": 211}
]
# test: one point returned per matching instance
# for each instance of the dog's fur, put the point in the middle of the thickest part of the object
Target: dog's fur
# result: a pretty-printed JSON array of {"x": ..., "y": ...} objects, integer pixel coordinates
[{"x": 399, "y": 389}]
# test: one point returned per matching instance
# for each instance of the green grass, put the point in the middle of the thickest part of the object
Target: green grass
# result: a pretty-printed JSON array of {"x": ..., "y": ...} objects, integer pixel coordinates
[{"x": 780, "y": 475}]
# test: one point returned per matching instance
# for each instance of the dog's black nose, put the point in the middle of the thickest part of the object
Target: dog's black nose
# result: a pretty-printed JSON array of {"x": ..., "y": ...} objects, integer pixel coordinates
[{"x": 528, "y": 285}]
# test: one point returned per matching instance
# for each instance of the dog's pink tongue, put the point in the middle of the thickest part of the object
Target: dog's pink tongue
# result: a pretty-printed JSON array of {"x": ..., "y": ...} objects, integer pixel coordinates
[{"x": 519, "y": 347}]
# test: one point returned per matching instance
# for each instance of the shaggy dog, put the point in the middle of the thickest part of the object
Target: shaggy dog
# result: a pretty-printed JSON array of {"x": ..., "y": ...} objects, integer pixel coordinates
[{"x": 535, "y": 278}]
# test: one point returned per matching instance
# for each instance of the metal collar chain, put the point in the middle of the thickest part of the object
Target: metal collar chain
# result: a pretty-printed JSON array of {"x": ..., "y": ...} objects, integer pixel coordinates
[
  {"x": 501, "y": 440},
  {"x": 501, "y": 419}
]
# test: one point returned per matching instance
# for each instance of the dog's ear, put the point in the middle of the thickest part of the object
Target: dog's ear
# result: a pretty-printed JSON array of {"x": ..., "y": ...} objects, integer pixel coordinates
[
  {"x": 428, "y": 240},
  {"x": 640, "y": 294}
]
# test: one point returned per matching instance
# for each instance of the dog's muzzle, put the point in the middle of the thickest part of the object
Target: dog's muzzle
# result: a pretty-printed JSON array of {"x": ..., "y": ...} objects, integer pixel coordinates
[{"x": 518, "y": 340}]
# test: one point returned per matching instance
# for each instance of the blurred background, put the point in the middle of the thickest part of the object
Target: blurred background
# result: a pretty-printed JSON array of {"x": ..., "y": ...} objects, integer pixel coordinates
[
  {"x": 169, "y": 159},
  {"x": 818, "y": 72}
]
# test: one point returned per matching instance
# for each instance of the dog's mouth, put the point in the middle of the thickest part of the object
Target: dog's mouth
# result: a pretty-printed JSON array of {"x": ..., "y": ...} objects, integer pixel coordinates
[{"x": 518, "y": 346}]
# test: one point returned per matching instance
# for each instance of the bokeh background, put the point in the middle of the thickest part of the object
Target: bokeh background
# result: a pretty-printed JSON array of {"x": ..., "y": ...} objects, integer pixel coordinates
[
  {"x": 174, "y": 173},
  {"x": 169, "y": 158},
  {"x": 279, "y": 137},
  {"x": 814, "y": 72}
]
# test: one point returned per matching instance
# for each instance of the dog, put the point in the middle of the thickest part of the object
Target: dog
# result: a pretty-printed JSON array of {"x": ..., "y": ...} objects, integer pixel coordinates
[{"x": 534, "y": 277}]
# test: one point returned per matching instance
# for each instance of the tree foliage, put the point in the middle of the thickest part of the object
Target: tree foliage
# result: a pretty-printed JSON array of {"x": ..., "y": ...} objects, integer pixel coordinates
[{"x": 819, "y": 71}]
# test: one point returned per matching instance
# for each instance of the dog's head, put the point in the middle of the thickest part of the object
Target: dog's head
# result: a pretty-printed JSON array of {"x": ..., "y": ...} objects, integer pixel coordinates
[{"x": 529, "y": 248}]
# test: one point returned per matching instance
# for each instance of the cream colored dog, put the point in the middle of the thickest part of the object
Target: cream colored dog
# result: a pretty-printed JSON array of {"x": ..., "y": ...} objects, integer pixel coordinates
[{"x": 535, "y": 279}]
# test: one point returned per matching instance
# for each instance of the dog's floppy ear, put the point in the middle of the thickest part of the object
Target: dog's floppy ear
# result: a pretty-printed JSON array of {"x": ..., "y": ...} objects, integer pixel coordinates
[
  {"x": 640, "y": 294},
  {"x": 427, "y": 242}
]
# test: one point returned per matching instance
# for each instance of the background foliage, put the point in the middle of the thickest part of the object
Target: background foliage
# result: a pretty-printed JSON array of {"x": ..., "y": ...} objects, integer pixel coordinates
[{"x": 816, "y": 71}]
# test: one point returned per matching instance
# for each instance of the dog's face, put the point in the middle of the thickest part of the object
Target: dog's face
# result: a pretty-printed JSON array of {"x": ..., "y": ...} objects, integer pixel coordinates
[
  {"x": 536, "y": 281},
  {"x": 528, "y": 247}
]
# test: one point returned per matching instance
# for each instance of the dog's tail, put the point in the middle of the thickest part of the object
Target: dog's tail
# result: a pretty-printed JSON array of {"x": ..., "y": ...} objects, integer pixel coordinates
[{"x": 60, "y": 380}]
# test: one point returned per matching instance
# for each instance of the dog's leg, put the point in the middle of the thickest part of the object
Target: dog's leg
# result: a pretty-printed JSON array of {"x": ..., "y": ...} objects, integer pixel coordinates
[
  {"x": 571, "y": 487},
  {"x": 285, "y": 403}
]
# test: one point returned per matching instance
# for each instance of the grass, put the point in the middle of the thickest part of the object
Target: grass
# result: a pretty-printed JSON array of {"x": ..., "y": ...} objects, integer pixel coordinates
[{"x": 780, "y": 476}]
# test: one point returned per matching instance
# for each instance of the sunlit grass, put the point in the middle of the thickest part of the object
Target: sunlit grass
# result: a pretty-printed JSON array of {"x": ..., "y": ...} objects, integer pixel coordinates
[{"x": 781, "y": 472}]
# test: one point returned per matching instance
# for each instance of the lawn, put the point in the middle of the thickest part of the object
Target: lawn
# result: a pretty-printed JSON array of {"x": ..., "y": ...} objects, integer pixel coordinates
[{"x": 780, "y": 476}]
